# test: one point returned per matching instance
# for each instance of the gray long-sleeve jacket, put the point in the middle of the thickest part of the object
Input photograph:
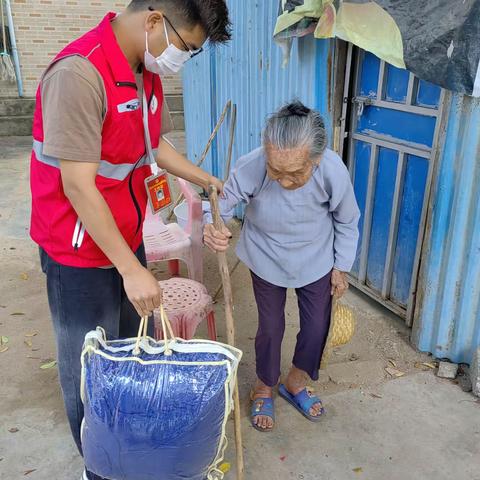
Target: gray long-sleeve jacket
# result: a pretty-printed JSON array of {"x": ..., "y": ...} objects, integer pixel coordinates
[{"x": 292, "y": 238}]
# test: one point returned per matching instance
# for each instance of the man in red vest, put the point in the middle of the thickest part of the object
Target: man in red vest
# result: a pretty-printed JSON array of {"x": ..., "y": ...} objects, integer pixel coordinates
[{"x": 97, "y": 130}]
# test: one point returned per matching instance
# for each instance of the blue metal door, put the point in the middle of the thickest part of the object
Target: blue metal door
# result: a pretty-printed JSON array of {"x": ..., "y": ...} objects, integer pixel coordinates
[{"x": 393, "y": 129}]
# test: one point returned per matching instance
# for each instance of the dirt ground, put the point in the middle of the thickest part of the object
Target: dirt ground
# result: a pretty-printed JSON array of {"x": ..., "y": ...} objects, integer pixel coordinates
[{"x": 377, "y": 426}]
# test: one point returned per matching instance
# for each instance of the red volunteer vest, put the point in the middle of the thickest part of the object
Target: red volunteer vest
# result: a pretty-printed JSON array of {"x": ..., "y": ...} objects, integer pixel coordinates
[{"x": 124, "y": 164}]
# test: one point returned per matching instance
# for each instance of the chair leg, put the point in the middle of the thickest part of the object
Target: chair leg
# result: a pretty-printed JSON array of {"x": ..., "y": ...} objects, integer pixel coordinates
[
  {"x": 174, "y": 268},
  {"x": 212, "y": 328}
]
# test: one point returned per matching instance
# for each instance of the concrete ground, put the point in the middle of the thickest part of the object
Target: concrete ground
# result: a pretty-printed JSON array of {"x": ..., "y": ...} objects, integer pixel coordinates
[{"x": 377, "y": 427}]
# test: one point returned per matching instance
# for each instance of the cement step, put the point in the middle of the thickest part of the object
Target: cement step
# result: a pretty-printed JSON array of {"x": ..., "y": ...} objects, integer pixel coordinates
[
  {"x": 178, "y": 120},
  {"x": 13, "y": 107},
  {"x": 18, "y": 126},
  {"x": 16, "y": 115},
  {"x": 25, "y": 106},
  {"x": 175, "y": 102},
  {"x": 22, "y": 124}
]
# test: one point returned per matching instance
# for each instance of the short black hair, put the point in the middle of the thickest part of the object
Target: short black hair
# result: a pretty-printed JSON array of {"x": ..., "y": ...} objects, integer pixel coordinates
[{"x": 212, "y": 15}]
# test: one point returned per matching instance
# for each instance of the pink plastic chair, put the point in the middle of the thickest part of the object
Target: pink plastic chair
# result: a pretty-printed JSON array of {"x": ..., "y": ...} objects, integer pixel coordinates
[
  {"x": 187, "y": 304},
  {"x": 170, "y": 242}
]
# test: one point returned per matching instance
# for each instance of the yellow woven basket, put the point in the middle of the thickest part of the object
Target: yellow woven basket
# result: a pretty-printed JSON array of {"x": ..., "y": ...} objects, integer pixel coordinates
[{"x": 342, "y": 329}]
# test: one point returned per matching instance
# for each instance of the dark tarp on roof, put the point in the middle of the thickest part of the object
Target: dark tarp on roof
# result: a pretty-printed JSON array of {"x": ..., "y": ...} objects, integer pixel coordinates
[{"x": 437, "y": 40}]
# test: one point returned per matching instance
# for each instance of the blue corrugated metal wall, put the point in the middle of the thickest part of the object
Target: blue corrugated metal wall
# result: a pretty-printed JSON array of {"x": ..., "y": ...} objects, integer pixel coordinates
[
  {"x": 249, "y": 72},
  {"x": 448, "y": 314}
]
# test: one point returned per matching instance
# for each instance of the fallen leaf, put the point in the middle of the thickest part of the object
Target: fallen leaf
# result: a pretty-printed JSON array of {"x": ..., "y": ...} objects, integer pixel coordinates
[
  {"x": 392, "y": 363},
  {"x": 376, "y": 395},
  {"x": 48, "y": 365},
  {"x": 283, "y": 458},
  {"x": 17, "y": 314},
  {"x": 358, "y": 470},
  {"x": 28, "y": 343},
  {"x": 35, "y": 349},
  {"x": 394, "y": 372},
  {"x": 433, "y": 366},
  {"x": 225, "y": 467},
  {"x": 3, "y": 349},
  {"x": 13, "y": 430},
  {"x": 4, "y": 340},
  {"x": 33, "y": 334},
  {"x": 470, "y": 401},
  {"x": 24, "y": 276},
  {"x": 28, "y": 472}
]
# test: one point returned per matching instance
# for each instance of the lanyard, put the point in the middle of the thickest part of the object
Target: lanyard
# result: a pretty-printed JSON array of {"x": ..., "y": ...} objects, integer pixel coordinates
[{"x": 148, "y": 142}]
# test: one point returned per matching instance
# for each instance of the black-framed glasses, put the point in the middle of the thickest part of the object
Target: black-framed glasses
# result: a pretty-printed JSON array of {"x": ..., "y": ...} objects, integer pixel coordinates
[{"x": 193, "y": 53}]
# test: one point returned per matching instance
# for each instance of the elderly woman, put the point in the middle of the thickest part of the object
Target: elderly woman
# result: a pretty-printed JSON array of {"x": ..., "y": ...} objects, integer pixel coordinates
[{"x": 300, "y": 231}]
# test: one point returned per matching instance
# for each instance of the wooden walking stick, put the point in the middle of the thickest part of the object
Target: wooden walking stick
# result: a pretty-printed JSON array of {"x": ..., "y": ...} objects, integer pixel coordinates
[
  {"x": 228, "y": 295},
  {"x": 220, "y": 287}
]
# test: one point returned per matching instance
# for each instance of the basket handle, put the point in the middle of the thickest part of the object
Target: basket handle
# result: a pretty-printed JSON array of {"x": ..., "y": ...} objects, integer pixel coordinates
[{"x": 168, "y": 334}]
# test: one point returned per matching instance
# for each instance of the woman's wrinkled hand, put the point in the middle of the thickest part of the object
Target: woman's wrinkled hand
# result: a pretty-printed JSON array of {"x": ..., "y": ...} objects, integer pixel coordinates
[
  {"x": 215, "y": 240},
  {"x": 339, "y": 283}
]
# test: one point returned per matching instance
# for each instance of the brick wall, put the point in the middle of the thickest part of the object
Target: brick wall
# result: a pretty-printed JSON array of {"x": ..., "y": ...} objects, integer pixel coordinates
[{"x": 43, "y": 27}]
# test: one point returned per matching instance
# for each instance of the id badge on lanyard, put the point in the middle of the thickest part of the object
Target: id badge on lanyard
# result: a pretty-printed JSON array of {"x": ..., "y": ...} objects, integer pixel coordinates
[
  {"x": 158, "y": 191},
  {"x": 157, "y": 186}
]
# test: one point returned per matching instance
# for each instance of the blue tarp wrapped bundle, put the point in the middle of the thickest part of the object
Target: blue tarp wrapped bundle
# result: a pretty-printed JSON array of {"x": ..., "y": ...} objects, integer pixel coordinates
[{"x": 156, "y": 410}]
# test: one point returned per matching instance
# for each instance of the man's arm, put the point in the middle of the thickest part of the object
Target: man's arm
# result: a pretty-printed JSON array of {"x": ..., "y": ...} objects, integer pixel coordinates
[
  {"x": 79, "y": 186},
  {"x": 176, "y": 164}
]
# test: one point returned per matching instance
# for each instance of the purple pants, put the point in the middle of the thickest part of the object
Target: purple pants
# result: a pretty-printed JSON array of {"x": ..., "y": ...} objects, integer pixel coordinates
[{"x": 315, "y": 306}]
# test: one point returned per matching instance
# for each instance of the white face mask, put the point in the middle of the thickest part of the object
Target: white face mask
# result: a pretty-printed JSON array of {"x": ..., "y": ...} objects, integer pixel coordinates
[{"x": 169, "y": 62}]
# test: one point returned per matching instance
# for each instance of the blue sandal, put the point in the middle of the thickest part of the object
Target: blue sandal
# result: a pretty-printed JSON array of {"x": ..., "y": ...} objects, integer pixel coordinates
[
  {"x": 262, "y": 407},
  {"x": 302, "y": 402}
]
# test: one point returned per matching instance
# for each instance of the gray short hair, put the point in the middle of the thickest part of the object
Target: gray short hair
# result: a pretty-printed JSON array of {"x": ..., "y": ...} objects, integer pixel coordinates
[{"x": 294, "y": 126}]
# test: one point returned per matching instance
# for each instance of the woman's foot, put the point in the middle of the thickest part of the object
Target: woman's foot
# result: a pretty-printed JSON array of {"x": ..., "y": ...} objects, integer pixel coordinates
[
  {"x": 296, "y": 382},
  {"x": 262, "y": 407}
]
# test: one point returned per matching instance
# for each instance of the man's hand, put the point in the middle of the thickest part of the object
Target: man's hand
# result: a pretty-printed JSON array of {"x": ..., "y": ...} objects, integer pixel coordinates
[
  {"x": 215, "y": 240},
  {"x": 339, "y": 283},
  {"x": 216, "y": 183},
  {"x": 142, "y": 290}
]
